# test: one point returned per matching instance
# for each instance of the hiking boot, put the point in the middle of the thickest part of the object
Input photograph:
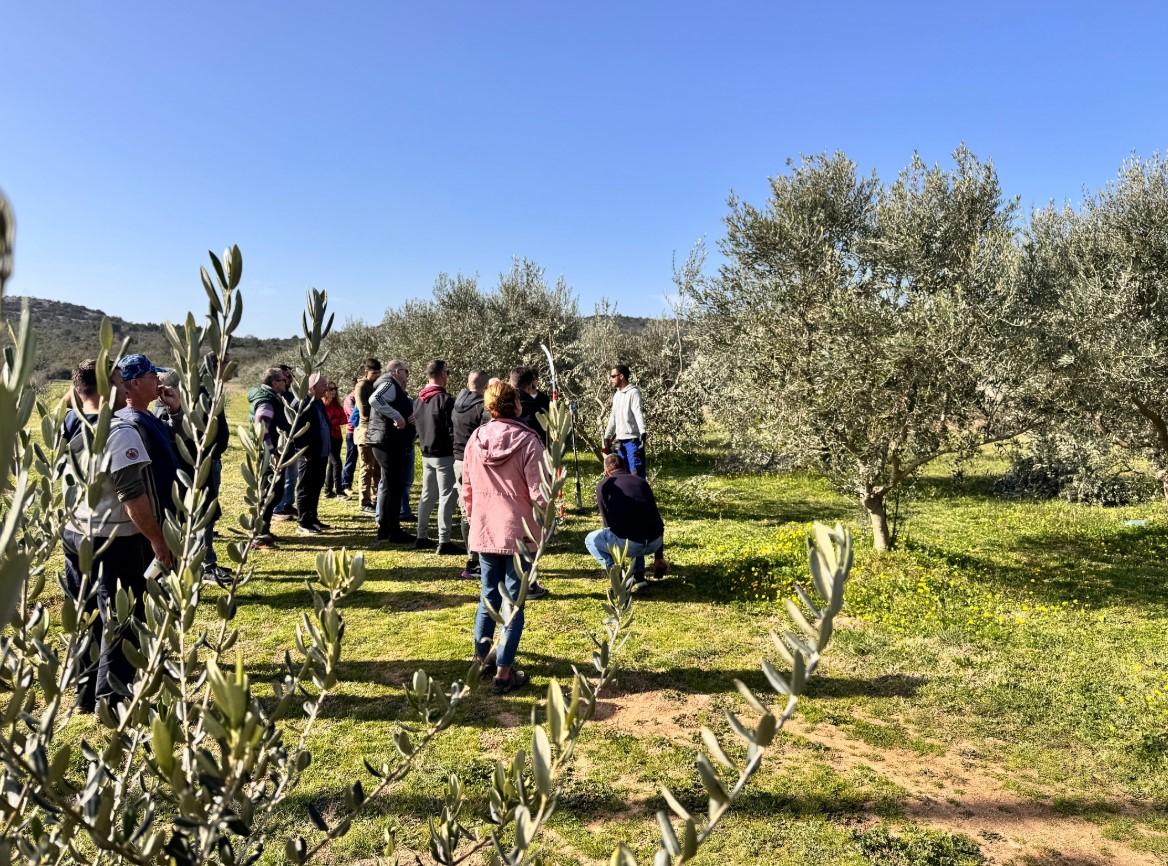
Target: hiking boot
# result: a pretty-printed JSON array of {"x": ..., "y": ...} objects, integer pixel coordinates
[
  {"x": 264, "y": 542},
  {"x": 449, "y": 548}
]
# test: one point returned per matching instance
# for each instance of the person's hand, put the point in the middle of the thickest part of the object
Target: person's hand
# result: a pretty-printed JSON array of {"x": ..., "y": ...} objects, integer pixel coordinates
[
  {"x": 607, "y": 449},
  {"x": 170, "y": 398},
  {"x": 399, "y": 423},
  {"x": 410, "y": 420},
  {"x": 161, "y": 552}
]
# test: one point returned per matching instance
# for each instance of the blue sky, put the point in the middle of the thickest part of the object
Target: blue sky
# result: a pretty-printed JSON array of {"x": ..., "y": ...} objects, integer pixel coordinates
[{"x": 365, "y": 147}]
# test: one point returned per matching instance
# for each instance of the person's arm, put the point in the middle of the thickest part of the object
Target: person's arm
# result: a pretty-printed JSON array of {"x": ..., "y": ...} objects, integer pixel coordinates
[
  {"x": 472, "y": 459},
  {"x": 600, "y": 503},
  {"x": 381, "y": 403},
  {"x": 610, "y": 430},
  {"x": 635, "y": 409},
  {"x": 364, "y": 391},
  {"x": 531, "y": 473},
  {"x": 130, "y": 487}
]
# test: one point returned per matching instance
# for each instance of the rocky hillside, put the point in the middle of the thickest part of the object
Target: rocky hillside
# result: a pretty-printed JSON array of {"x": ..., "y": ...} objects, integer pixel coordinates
[{"x": 68, "y": 333}]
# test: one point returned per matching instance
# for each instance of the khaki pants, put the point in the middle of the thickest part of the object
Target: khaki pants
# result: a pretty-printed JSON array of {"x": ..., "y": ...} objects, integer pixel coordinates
[{"x": 370, "y": 475}]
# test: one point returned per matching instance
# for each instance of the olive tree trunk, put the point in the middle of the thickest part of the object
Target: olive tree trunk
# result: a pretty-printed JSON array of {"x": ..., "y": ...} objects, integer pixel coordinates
[{"x": 878, "y": 513}]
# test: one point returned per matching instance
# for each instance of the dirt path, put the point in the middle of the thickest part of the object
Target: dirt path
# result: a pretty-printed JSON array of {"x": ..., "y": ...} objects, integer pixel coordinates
[{"x": 955, "y": 791}]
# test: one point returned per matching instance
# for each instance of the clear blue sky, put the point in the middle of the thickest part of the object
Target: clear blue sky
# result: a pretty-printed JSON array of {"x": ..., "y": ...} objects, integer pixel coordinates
[{"x": 365, "y": 147}]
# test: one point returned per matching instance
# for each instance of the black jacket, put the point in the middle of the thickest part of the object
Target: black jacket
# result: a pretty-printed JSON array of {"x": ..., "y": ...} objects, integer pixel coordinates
[
  {"x": 432, "y": 417},
  {"x": 628, "y": 508},
  {"x": 468, "y": 416},
  {"x": 530, "y": 407}
]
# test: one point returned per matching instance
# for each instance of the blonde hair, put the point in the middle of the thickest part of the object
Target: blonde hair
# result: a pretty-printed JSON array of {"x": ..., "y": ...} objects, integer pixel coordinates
[{"x": 501, "y": 400}]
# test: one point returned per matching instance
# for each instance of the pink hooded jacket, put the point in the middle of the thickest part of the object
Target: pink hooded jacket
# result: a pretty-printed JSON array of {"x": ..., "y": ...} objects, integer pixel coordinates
[{"x": 500, "y": 484}]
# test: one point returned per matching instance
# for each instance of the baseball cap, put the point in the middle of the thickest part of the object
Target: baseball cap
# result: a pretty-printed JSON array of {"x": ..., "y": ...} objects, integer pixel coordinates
[{"x": 136, "y": 366}]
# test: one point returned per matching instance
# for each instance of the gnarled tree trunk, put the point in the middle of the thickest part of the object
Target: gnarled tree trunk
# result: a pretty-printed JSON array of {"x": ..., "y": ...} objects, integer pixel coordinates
[{"x": 878, "y": 513}]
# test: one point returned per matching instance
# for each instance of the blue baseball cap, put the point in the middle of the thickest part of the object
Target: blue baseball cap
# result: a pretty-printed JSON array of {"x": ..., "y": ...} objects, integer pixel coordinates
[{"x": 136, "y": 366}]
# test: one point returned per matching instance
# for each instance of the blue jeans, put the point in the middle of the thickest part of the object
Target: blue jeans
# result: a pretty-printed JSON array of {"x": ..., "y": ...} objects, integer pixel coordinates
[
  {"x": 632, "y": 454},
  {"x": 496, "y": 568},
  {"x": 290, "y": 476},
  {"x": 600, "y": 542},
  {"x": 350, "y": 469}
]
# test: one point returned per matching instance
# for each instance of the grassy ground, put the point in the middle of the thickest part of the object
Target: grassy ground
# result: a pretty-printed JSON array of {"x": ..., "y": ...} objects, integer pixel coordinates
[{"x": 997, "y": 692}]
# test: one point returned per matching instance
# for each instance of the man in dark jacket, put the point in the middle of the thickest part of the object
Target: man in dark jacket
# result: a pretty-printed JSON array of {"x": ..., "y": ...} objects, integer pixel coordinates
[
  {"x": 316, "y": 440},
  {"x": 469, "y": 414},
  {"x": 532, "y": 401},
  {"x": 390, "y": 436},
  {"x": 266, "y": 407},
  {"x": 433, "y": 411},
  {"x": 630, "y": 516}
]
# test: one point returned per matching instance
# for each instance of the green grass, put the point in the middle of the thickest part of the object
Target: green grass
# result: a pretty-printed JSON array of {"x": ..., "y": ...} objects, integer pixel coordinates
[{"x": 1026, "y": 638}]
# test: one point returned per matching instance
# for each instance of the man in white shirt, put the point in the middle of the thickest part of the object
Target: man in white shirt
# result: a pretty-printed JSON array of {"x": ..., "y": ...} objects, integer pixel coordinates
[{"x": 626, "y": 424}]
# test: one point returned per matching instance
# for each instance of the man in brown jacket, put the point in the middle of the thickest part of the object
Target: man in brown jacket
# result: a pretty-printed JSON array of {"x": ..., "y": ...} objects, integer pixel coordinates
[{"x": 370, "y": 469}]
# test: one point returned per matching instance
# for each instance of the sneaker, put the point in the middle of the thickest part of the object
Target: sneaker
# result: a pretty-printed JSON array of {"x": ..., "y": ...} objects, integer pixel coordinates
[
  {"x": 330, "y": 496},
  {"x": 408, "y": 518},
  {"x": 318, "y": 525},
  {"x": 264, "y": 542},
  {"x": 397, "y": 538},
  {"x": 449, "y": 548},
  {"x": 639, "y": 583},
  {"x": 467, "y": 574},
  {"x": 307, "y": 530},
  {"x": 221, "y": 576},
  {"x": 368, "y": 509},
  {"x": 661, "y": 567},
  {"x": 536, "y": 591},
  {"x": 517, "y": 680},
  {"x": 283, "y": 515},
  {"x": 423, "y": 543}
]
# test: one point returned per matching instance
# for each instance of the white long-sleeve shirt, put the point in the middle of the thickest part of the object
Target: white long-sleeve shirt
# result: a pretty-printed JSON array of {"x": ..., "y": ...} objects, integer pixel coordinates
[{"x": 626, "y": 420}]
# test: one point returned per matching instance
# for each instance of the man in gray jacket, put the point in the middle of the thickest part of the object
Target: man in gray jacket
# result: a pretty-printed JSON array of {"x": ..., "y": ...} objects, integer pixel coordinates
[{"x": 391, "y": 435}]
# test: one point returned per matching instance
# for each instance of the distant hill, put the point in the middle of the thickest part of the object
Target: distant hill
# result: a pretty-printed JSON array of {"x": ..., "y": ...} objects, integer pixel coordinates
[{"x": 68, "y": 333}]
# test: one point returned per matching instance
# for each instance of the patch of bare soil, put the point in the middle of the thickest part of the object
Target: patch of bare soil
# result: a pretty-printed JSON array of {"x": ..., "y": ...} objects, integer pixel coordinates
[
  {"x": 653, "y": 713},
  {"x": 957, "y": 793}
]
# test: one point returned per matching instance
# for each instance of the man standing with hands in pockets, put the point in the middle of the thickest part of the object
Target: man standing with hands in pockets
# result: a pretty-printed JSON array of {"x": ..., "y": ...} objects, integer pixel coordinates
[{"x": 626, "y": 424}]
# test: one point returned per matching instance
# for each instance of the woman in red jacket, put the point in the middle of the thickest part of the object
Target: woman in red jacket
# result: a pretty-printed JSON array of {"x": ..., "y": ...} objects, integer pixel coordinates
[{"x": 338, "y": 422}]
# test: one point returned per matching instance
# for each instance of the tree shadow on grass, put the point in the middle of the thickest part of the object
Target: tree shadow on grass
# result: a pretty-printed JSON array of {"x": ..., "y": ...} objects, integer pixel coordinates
[{"x": 400, "y": 601}]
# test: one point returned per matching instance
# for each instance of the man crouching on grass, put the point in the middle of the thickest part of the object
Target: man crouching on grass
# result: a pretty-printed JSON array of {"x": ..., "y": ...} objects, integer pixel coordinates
[{"x": 629, "y": 513}]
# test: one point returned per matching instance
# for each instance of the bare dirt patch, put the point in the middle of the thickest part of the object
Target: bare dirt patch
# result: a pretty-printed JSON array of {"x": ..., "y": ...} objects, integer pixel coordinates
[
  {"x": 653, "y": 713},
  {"x": 956, "y": 792}
]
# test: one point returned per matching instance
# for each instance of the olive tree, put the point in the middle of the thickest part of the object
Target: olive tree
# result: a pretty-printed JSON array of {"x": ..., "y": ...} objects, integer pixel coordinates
[
  {"x": 869, "y": 329},
  {"x": 1101, "y": 275}
]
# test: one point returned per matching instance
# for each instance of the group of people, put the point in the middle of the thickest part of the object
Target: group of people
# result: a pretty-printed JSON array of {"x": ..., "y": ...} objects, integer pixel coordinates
[{"x": 481, "y": 450}]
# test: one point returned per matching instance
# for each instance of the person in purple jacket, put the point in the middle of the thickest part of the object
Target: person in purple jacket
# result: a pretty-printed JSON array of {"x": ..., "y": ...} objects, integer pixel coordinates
[{"x": 630, "y": 516}]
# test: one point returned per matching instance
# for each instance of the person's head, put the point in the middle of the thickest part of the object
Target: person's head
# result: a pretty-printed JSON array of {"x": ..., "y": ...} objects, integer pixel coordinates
[
  {"x": 169, "y": 379},
  {"x": 613, "y": 465},
  {"x": 330, "y": 392},
  {"x": 476, "y": 380},
  {"x": 436, "y": 373},
  {"x": 85, "y": 386},
  {"x": 139, "y": 380},
  {"x": 318, "y": 384},
  {"x": 501, "y": 400},
  {"x": 399, "y": 371},
  {"x": 524, "y": 379},
  {"x": 618, "y": 377},
  {"x": 371, "y": 369},
  {"x": 274, "y": 378}
]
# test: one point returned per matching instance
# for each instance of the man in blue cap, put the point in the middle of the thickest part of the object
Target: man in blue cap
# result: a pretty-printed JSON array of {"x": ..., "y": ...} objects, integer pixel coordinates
[{"x": 141, "y": 388}]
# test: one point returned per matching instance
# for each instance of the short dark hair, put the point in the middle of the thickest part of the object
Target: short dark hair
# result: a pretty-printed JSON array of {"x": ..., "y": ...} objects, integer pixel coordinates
[
  {"x": 285, "y": 369},
  {"x": 522, "y": 377},
  {"x": 85, "y": 379},
  {"x": 623, "y": 369},
  {"x": 271, "y": 374},
  {"x": 435, "y": 368},
  {"x": 371, "y": 364}
]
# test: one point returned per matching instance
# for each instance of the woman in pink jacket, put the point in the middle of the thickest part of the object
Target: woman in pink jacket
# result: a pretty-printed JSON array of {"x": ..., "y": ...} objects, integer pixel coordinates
[{"x": 501, "y": 481}]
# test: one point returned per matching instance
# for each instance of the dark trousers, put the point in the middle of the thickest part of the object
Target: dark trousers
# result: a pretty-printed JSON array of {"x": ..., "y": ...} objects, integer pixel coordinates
[
  {"x": 309, "y": 481},
  {"x": 391, "y": 458},
  {"x": 350, "y": 470},
  {"x": 122, "y": 564},
  {"x": 214, "y": 482},
  {"x": 332, "y": 472},
  {"x": 277, "y": 493}
]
